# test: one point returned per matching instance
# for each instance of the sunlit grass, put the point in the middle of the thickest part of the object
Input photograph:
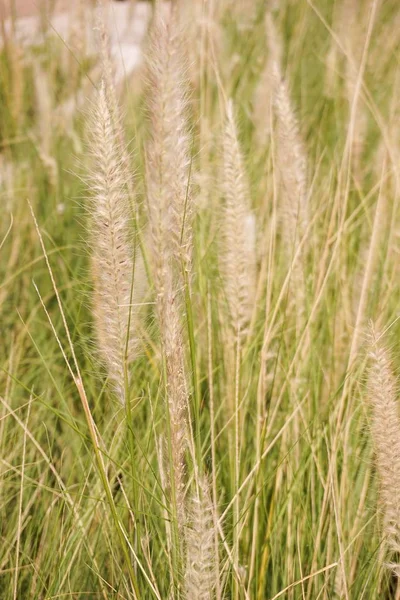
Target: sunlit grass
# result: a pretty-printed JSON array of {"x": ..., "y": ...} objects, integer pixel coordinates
[{"x": 279, "y": 431}]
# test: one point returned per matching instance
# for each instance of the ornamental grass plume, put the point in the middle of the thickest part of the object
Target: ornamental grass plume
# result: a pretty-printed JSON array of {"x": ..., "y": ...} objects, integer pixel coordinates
[
  {"x": 382, "y": 388},
  {"x": 238, "y": 252},
  {"x": 200, "y": 573},
  {"x": 168, "y": 151},
  {"x": 264, "y": 92},
  {"x": 107, "y": 68},
  {"x": 177, "y": 394},
  {"x": 169, "y": 210},
  {"x": 291, "y": 160},
  {"x": 118, "y": 277},
  {"x": 291, "y": 154}
]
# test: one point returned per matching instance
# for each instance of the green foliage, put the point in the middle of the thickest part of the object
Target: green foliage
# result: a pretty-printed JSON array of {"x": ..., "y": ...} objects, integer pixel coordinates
[{"x": 309, "y": 519}]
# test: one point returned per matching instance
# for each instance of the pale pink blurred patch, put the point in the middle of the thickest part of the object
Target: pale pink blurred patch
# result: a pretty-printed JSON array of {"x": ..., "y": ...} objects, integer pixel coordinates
[
  {"x": 126, "y": 21},
  {"x": 29, "y": 8}
]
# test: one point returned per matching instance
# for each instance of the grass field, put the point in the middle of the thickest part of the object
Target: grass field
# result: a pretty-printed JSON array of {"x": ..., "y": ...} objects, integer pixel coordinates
[{"x": 199, "y": 302}]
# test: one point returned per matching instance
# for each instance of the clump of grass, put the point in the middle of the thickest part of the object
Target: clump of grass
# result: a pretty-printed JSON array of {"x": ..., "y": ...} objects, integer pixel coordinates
[{"x": 240, "y": 467}]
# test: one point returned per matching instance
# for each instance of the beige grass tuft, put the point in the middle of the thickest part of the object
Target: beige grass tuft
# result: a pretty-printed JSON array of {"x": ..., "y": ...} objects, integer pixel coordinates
[
  {"x": 382, "y": 389},
  {"x": 168, "y": 152},
  {"x": 292, "y": 165},
  {"x": 265, "y": 90},
  {"x": 173, "y": 350},
  {"x": 239, "y": 235},
  {"x": 170, "y": 209},
  {"x": 291, "y": 153},
  {"x": 200, "y": 549},
  {"x": 115, "y": 273}
]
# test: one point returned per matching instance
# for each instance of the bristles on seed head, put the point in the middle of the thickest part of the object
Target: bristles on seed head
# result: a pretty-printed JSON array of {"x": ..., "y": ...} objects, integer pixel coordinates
[
  {"x": 111, "y": 246},
  {"x": 172, "y": 339},
  {"x": 264, "y": 93},
  {"x": 200, "y": 549},
  {"x": 238, "y": 248},
  {"x": 168, "y": 150},
  {"x": 385, "y": 427},
  {"x": 169, "y": 210},
  {"x": 291, "y": 154}
]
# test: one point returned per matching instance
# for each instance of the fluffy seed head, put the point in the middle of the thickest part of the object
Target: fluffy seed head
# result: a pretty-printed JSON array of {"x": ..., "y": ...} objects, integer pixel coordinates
[
  {"x": 168, "y": 150},
  {"x": 238, "y": 226},
  {"x": 111, "y": 244},
  {"x": 169, "y": 210},
  {"x": 200, "y": 549},
  {"x": 291, "y": 154},
  {"x": 385, "y": 428}
]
